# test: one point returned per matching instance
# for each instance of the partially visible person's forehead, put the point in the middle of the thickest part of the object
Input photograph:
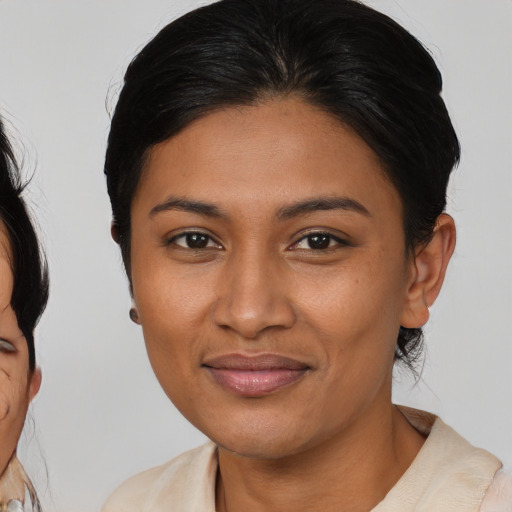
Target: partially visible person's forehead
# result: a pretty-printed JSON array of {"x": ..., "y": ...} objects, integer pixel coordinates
[
  {"x": 5, "y": 244},
  {"x": 6, "y": 276}
]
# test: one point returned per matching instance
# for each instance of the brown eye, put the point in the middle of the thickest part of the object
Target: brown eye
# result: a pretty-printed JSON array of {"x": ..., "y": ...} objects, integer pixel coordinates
[
  {"x": 319, "y": 242},
  {"x": 197, "y": 240},
  {"x": 193, "y": 240}
]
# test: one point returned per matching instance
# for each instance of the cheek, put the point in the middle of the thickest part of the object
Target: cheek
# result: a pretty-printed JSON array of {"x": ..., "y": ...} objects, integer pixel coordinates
[
  {"x": 174, "y": 311},
  {"x": 169, "y": 301},
  {"x": 166, "y": 291},
  {"x": 352, "y": 299},
  {"x": 13, "y": 408},
  {"x": 13, "y": 391},
  {"x": 5, "y": 403},
  {"x": 355, "y": 312}
]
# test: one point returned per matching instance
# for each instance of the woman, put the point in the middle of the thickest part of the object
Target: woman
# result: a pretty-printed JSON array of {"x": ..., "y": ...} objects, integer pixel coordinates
[
  {"x": 277, "y": 171},
  {"x": 23, "y": 296}
]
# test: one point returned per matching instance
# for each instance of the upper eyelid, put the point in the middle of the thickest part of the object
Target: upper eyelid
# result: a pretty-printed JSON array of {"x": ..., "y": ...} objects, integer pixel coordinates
[
  {"x": 170, "y": 238},
  {"x": 337, "y": 244},
  {"x": 187, "y": 231},
  {"x": 338, "y": 236},
  {"x": 341, "y": 237},
  {"x": 4, "y": 344}
]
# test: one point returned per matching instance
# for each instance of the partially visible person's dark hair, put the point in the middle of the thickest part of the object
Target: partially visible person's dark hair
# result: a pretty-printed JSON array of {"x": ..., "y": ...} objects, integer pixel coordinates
[
  {"x": 339, "y": 55},
  {"x": 30, "y": 290}
]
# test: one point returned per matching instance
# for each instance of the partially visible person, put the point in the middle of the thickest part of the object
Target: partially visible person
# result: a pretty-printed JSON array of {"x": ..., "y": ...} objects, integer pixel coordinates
[{"x": 23, "y": 297}]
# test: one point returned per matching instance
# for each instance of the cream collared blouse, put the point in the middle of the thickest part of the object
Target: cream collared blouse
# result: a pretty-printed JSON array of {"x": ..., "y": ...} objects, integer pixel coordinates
[{"x": 447, "y": 475}]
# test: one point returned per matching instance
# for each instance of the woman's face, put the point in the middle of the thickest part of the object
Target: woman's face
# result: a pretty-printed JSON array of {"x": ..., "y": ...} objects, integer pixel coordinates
[
  {"x": 270, "y": 276},
  {"x": 17, "y": 384}
]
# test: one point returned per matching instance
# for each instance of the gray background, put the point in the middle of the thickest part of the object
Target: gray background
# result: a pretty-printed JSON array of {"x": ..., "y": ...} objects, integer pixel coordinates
[{"x": 101, "y": 415}]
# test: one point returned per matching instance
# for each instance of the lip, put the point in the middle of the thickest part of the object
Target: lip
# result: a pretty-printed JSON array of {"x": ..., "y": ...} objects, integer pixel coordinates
[{"x": 257, "y": 375}]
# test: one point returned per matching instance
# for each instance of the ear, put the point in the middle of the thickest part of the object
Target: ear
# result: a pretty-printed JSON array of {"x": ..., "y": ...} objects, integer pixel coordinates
[
  {"x": 427, "y": 272},
  {"x": 35, "y": 383}
]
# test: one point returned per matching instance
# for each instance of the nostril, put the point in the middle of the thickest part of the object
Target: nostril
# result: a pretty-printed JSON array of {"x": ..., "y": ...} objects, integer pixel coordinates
[{"x": 249, "y": 320}]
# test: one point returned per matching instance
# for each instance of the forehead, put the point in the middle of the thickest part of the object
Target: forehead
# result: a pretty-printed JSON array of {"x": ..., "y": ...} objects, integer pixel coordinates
[
  {"x": 281, "y": 149},
  {"x": 5, "y": 243},
  {"x": 6, "y": 276}
]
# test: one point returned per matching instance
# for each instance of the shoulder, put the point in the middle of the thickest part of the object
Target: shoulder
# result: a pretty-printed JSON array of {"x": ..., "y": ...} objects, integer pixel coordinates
[
  {"x": 189, "y": 474},
  {"x": 498, "y": 497},
  {"x": 448, "y": 473}
]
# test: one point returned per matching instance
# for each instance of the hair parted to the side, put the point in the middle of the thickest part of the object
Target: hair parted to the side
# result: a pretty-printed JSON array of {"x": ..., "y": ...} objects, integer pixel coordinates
[
  {"x": 30, "y": 289},
  {"x": 339, "y": 55}
]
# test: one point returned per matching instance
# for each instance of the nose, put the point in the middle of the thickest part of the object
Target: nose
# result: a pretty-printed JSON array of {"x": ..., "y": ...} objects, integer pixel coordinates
[{"x": 252, "y": 297}]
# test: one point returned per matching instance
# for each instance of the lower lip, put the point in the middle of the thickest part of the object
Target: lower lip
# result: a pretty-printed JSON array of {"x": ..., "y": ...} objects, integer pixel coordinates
[{"x": 257, "y": 382}]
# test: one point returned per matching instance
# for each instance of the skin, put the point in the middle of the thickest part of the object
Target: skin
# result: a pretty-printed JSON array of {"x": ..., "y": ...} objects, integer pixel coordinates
[
  {"x": 17, "y": 384},
  {"x": 332, "y": 438}
]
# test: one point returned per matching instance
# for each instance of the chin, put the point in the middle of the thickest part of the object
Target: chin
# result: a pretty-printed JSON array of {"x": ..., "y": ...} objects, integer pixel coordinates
[
  {"x": 258, "y": 448},
  {"x": 261, "y": 438}
]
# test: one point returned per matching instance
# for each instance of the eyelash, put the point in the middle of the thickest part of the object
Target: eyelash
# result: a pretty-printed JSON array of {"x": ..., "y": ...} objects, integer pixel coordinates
[
  {"x": 6, "y": 347},
  {"x": 185, "y": 235},
  {"x": 339, "y": 242},
  {"x": 212, "y": 243}
]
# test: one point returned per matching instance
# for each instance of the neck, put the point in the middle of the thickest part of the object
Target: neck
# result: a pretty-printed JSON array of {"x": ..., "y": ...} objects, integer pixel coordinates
[{"x": 353, "y": 470}]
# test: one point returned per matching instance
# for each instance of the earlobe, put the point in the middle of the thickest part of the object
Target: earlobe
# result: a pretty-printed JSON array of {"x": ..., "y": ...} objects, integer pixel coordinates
[
  {"x": 114, "y": 232},
  {"x": 134, "y": 311},
  {"x": 134, "y": 315},
  {"x": 427, "y": 273},
  {"x": 35, "y": 383}
]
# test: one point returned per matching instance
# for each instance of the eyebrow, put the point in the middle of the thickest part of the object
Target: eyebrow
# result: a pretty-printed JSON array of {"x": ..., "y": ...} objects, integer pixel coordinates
[
  {"x": 187, "y": 205},
  {"x": 321, "y": 204},
  {"x": 286, "y": 212}
]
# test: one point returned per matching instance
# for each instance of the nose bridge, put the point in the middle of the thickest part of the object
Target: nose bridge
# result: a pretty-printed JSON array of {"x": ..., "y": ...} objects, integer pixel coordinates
[{"x": 252, "y": 296}]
